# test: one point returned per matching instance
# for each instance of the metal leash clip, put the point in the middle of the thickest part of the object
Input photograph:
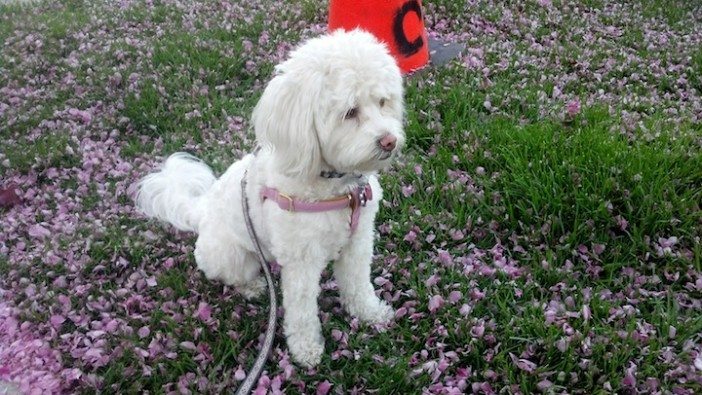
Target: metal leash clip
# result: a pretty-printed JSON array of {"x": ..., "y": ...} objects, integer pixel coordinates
[{"x": 365, "y": 195}]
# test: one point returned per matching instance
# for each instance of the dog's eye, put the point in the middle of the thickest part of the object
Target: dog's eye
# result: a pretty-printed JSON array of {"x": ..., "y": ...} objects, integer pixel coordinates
[
  {"x": 352, "y": 113},
  {"x": 382, "y": 103}
]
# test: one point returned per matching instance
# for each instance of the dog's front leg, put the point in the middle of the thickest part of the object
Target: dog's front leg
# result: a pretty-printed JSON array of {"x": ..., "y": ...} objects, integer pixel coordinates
[
  {"x": 352, "y": 272},
  {"x": 300, "y": 285}
]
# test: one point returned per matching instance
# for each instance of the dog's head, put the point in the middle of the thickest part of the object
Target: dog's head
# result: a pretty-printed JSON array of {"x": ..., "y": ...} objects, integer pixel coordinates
[{"x": 335, "y": 104}]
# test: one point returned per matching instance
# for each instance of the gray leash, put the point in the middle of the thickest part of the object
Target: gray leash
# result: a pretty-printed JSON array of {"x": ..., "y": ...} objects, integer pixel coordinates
[{"x": 251, "y": 378}]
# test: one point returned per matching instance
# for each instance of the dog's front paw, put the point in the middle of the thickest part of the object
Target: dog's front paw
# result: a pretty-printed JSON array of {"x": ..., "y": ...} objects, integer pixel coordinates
[
  {"x": 375, "y": 312},
  {"x": 306, "y": 351},
  {"x": 381, "y": 314},
  {"x": 253, "y": 289}
]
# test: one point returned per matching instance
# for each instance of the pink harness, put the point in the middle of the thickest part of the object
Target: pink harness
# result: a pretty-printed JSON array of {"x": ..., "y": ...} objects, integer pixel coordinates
[{"x": 354, "y": 199}]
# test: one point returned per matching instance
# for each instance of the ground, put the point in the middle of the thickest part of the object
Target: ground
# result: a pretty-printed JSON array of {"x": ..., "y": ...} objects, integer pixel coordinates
[{"x": 540, "y": 234}]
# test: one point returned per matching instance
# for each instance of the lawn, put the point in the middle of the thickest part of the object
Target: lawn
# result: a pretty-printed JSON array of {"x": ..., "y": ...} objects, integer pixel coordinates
[{"x": 541, "y": 232}]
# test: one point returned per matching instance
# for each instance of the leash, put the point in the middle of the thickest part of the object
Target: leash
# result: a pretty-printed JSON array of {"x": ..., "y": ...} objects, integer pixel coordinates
[{"x": 251, "y": 378}]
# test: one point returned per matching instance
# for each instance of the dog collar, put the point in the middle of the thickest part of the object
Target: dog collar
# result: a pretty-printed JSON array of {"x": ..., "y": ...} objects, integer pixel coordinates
[{"x": 354, "y": 199}]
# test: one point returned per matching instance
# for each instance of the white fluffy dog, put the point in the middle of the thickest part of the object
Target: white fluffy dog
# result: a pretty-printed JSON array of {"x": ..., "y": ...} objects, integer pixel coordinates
[{"x": 330, "y": 118}]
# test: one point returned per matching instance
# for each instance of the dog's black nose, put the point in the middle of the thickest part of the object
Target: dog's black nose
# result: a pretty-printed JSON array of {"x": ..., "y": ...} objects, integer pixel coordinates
[{"x": 387, "y": 142}]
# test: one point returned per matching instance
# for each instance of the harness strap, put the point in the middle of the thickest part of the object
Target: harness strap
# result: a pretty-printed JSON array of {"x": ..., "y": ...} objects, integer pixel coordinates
[
  {"x": 354, "y": 199},
  {"x": 288, "y": 203}
]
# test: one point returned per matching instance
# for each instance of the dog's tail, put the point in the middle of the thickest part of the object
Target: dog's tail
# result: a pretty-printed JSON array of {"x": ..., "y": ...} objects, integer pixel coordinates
[{"x": 172, "y": 194}]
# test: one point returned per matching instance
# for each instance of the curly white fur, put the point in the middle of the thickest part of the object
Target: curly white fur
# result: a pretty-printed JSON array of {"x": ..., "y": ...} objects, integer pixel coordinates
[{"x": 333, "y": 105}]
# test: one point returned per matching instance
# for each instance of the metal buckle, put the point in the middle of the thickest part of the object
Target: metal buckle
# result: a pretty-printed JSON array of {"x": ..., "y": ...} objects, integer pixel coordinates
[
  {"x": 352, "y": 201},
  {"x": 291, "y": 207},
  {"x": 362, "y": 197}
]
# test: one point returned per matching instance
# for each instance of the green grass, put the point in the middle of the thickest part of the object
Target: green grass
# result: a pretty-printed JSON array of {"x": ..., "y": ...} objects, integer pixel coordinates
[
  {"x": 47, "y": 151},
  {"x": 551, "y": 171},
  {"x": 565, "y": 175},
  {"x": 571, "y": 179},
  {"x": 160, "y": 109},
  {"x": 695, "y": 73},
  {"x": 676, "y": 14},
  {"x": 4, "y": 266}
]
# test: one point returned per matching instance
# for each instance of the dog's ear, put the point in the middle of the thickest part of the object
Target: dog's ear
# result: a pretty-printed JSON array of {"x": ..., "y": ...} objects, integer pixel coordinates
[{"x": 284, "y": 119}]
